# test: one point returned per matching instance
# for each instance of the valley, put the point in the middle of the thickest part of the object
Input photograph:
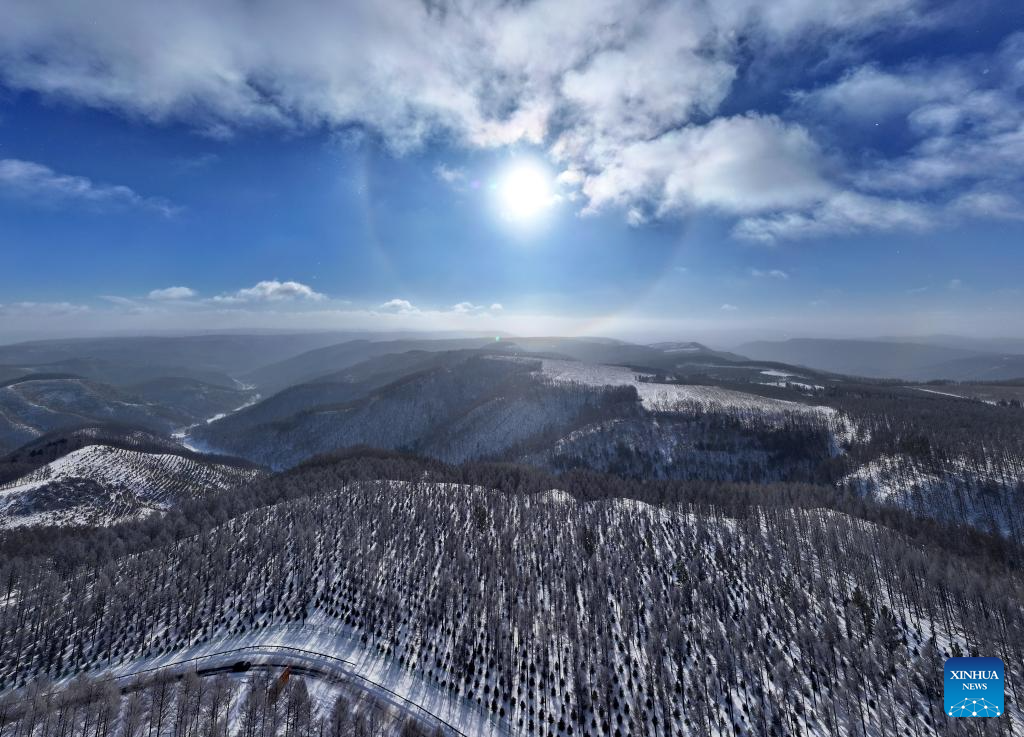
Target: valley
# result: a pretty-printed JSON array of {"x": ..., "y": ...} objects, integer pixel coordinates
[{"x": 491, "y": 540}]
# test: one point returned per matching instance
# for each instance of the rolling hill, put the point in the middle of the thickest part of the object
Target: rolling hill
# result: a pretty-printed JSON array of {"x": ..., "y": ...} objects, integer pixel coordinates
[
  {"x": 34, "y": 405},
  {"x": 889, "y": 359},
  {"x": 199, "y": 400},
  {"x": 224, "y": 353},
  {"x": 105, "y": 476},
  {"x": 475, "y": 407},
  {"x": 561, "y": 414},
  {"x": 513, "y": 603},
  {"x": 330, "y": 360}
]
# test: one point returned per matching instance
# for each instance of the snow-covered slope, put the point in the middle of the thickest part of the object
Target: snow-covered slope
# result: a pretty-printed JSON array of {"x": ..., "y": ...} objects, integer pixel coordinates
[
  {"x": 476, "y": 408},
  {"x": 544, "y": 613},
  {"x": 100, "y": 484},
  {"x": 984, "y": 494},
  {"x": 663, "y": 397},
  {"x": 710, "y": 448},
  {"x": 546, "y": 411}
]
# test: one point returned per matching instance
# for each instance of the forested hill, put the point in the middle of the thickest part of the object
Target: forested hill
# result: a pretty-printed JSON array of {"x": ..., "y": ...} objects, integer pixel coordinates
[
  {"x": 717, "y": 610},
  {"x": 918, "y": 448},
  {"x": 69, "y": 548},
  {"x": 108, "y": 474},
  {"x": 53, "y": 445}
]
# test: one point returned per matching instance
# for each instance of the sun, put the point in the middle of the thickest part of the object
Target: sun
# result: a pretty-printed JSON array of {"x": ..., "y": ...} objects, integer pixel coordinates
[{"x": 525, "y": 191}]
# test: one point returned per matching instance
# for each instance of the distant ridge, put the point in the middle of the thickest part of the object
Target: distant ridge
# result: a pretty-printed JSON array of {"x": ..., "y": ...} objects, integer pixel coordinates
[{"x": 885, "y": 359}]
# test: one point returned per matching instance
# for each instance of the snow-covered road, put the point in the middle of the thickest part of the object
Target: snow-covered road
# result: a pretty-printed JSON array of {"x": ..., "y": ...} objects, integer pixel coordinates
[{"x": 338, "y": 655}]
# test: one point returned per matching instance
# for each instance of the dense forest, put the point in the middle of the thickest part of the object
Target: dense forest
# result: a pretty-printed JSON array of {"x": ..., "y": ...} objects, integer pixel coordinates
[
  {"x": 944, "y": 457},
  {"x": 692, "y": 608},
  {"x": 214, "y": 702},
  {"x": 507, "y": 544}
]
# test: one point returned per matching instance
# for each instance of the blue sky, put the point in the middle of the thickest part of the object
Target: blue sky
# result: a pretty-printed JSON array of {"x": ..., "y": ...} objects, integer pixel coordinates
[{"x": 692, "y": 171}]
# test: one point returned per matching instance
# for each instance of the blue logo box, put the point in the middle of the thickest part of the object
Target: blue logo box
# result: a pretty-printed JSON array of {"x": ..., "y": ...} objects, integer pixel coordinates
[{"x": 973, "y": 687}]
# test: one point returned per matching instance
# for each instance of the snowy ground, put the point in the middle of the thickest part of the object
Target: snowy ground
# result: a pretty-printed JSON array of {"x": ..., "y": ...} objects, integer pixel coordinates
[
  {"x": 952, "y": 492},
  {"x": 672, "y": 397},
  {"x": 935, "y": 391},
  {"x": 184, "y": 437},
  {"x": 450, "y": 574},
  {"x": 321, "y": 644},
  {"x": 136, "y": 484}
]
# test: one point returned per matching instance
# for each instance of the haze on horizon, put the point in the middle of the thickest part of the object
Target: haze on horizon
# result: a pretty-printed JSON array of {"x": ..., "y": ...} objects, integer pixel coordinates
[{"x": 647, "y": 171}]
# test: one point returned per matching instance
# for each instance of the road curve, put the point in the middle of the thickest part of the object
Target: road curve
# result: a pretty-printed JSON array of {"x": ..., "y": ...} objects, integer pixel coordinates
[{"x": 311, "y": 664}]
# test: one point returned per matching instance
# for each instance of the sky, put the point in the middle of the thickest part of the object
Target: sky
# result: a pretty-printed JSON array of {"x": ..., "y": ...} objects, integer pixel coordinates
[{"x": 641, "y": 169}]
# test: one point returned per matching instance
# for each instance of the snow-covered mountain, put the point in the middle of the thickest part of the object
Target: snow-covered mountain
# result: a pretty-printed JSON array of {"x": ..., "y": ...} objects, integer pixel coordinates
[
  {"x": 987, "y": 494},
  {"x": 474, "y": 408},
  {"x": 667, "y": 397},
  {"x": 695, "y": 545},
  {"x": 563, "y": 414},
  {"x": 503, "y": 402},
  {"x": 101, "y": 484},
  {"x": 512, "y": 613}
]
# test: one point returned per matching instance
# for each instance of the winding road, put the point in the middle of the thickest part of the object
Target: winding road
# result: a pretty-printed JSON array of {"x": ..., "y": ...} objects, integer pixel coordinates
[{"x": 302, "y": 662}]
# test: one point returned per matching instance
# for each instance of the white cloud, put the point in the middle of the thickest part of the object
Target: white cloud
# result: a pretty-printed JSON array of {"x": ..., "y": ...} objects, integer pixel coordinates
[
  {"x": 468, "y": 308},
  {"x": 399, "y": 306},
  {"x": 635, "y": 217},
  {"x": 171, "y": 293},
  {"x": 39, "y": 183},
  {"x": 118, "y": 300},
  {"x": 941, "y": 166},
  {"x": 738, "y": 165},
  {"x": 845, "y": 212},
  {"x": 981, "y": 203},
  {"x": 784, "y": 18},
  {"x": 729, "y": 308},
  {"x": 42, "y": 309},
  {"x": 128, "y": 305},
  {"x": 783, "y": 184},
  {"x": 769, "y": 274},
  {"x": 624, "y": 94},
  {"x": 449, "y": 174},
  {"x": 992, "y": 154},
  {"x": 965, "y": 123},
  {"x": 613, "y": 87},
  {"x": 955, "y": 284},
  {"x": 271, "y": 291},
  {"x": 869, "y": 94},
  {"x": 617, "y": 92},
  {"x": 570, "y": 178}
]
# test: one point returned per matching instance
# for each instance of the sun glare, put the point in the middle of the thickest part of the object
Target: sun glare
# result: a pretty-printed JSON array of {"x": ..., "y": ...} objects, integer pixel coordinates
[{"x": 525, "y": 191}]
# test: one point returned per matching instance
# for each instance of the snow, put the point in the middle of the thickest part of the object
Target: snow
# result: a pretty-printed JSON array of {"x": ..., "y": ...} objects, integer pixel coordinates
[
  {"x": 950, "y": 490},
  {"x": 399, "y": 653},
  {"x": 555, "y": 496},
  {"x": 935, "y": 391},
  {"x": 793, "y": 385},
  {"x": 138, "y": 484},
  {"x": 321, "y": 643},
  {"x": 198, "y": 446},
  {"x": 657, "y": 397}
]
